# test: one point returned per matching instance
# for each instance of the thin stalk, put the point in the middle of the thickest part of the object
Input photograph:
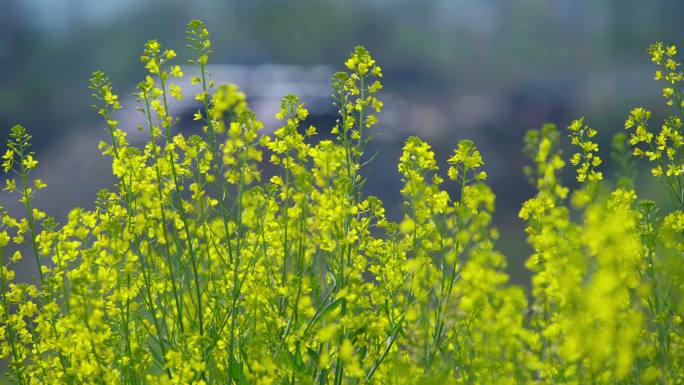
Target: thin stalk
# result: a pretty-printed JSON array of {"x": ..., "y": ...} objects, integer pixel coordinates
[
  {"x": 183, "y": 215},
  {"x": 29, "y": 213}
]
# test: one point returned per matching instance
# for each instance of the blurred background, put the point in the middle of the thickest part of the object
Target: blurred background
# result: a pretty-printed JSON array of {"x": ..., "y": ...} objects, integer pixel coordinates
[{"x": 487, "y": 70}]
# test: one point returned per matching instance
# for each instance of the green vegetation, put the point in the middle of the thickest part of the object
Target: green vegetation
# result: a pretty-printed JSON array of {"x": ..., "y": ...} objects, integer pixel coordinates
[{"x": 198, "y": 268}]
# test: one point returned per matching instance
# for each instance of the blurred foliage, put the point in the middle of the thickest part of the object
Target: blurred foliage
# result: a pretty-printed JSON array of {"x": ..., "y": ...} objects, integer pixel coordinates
[{"x": 435, "y": 45}]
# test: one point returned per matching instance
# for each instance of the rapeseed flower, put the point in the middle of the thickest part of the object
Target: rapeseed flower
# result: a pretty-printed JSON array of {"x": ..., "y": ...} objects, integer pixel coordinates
[{"x": 199, "y": 267}]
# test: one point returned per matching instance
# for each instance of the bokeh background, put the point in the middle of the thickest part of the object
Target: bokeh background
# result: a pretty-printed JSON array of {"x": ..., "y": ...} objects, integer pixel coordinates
[{"x": 486, "y": 70}]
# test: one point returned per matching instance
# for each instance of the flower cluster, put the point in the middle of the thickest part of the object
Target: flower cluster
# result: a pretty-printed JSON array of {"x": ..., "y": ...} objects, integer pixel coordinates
[
  {"x": 587, "y": 159},
  {"x": 664, "y": 149}
]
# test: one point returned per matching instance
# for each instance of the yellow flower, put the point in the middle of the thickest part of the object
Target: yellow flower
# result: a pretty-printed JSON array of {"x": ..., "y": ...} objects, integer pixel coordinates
[{"x": 29, "y": 162}]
